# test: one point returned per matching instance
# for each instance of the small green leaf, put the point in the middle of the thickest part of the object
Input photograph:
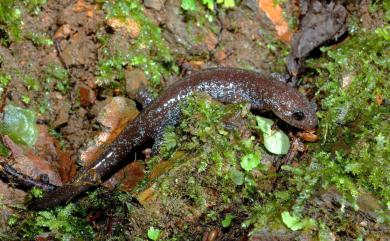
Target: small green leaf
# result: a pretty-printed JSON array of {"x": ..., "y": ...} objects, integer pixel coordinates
[
  {"x": 250, "y": 161},
  {"x": 227, "y": 221},
  {"x": 19, "y": 124},
  {"x": 264, "y": 124},
  {"x": 4, "y": 150},
  {"x": 153, "y": 233},
  {"x": 277, "y": 142},
  {"x": 295, "y": 223},
  {"x": 209, "y": 3},
  {"x": 228, "y": 3},
  {"x": 237, "y": 177},
  {"x": 36, "y": 192},
  {"x": 292, "y": 222},
  {"x": 13, "y": 219},
  {"x": 188, "y": 5}
]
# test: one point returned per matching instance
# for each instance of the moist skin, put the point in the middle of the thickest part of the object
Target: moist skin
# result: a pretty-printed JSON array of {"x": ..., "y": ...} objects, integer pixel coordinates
[{"x": 227, "y": 85}]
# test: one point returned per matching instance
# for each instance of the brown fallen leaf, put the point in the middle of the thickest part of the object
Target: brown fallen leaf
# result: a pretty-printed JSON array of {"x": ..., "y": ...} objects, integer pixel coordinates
[
  {"x": 50, "y": 149},
  {"x": 308, "y": 136},
  {"x": 160, "y": 169},
  {"x": 10, "y": 195},
  {"x": 275, "y": 14},
  {"x": 379, "y": 99},
  {"x": 128, "y": 176},
  {"x": 32, "y": 165},
  {"x": 81, "y": 6},
  {"x": 146, "y": 197},
  {"x": 87, "y": 95}
]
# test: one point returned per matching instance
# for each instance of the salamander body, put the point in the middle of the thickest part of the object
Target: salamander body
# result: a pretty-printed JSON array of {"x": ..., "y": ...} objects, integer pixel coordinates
[{"x": 227, "y": 85}]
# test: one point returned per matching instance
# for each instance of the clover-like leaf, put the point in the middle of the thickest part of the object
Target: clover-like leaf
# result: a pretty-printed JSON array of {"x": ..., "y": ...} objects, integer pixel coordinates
[
  {"x": 264, "y": 124},
  {"x": 153, "y": 233},
  {"x": 277, "y": 142},
  {"x": 250, "y": 161}
]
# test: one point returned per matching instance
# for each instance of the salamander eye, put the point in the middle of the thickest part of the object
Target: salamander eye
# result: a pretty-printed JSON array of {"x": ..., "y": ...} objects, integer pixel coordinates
[{"x": 298, "y": 115}]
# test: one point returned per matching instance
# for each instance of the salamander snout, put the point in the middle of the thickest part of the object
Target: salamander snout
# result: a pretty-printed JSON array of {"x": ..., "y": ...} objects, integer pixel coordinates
[
  {"x": 296, "y": 111},
  {"x": 298, "y": 115}
]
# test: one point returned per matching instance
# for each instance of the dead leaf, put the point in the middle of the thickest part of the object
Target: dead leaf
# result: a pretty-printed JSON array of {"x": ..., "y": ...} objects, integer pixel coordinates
[
  {"x": 81, "y": 6},
  {"x": 275, "y": 14},
  {"x": 160, "y": 169},
  {"x": 146, "y": 197},
  {"x": 32, "y": 165},
  {"x": 308, "y": 136},
  {"x": 128, "y": 176},
  {"x": 379, "y": 99}
]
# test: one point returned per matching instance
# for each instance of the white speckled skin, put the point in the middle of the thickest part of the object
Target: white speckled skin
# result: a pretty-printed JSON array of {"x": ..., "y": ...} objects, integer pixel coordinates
[{"x": 227, "y": 85}]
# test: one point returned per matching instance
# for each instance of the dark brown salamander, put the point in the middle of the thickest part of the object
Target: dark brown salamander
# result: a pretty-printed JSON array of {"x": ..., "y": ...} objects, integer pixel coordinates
[{"x": 227, "y": 85}]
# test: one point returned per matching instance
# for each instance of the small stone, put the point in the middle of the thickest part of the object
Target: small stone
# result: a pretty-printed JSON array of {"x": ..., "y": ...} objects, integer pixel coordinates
[
  {"x": 63, "y": 32},
  {"x": 62, "y": 116},
  {"x": 219, "y": 56},
  {"x": 115, "y": 115},
  {"x": 346, "y": 81},
  {"x": 154, "y": 4},
  {"x": 135, "y": 80},
  {"x": 87, "y": 95},
  {"x": 211, "y": 41},
  {"x": 119, "y": 109},
  {"x": 128, "y": 26},
  {"x": 78, "y": 50}
]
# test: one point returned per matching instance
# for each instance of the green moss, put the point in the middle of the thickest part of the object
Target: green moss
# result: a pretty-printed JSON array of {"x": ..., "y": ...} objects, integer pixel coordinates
[
  {"x": 11, "y": 21},
  {"x": 39, "y": 39},
  {"x": 354, "y": 122},
  {"x": 190, "y": 5},
  {"x": 149, "y": 51},
  {"x": 59, "y": 76},
  {"x": 63, "y": 223}
]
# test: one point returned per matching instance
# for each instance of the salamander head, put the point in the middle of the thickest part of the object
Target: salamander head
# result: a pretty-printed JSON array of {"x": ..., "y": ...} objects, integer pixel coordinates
[{"x": 293, "y": 108}]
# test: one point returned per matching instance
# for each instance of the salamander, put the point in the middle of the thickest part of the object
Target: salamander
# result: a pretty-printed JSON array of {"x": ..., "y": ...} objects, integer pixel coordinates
[{"x": 227, "y": 85}]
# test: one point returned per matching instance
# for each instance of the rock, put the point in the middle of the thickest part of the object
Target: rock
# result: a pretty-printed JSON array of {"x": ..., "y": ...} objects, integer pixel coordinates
[
  {"x": 119, "y": 109},
  {"x": 63, "y": 32},
  {"x": 62, "y": 116},
  {"x": 135, "y": 80},
  {"x": 11, "y": 196},
  {"x": 87, "y": 95},
  {"x": 78, "y": 50},
  {"x": 273, "y": 233},
  {"x": 220, "y": 56},
  {"x": 154, "y": 4},
  {"x": 114, "y": 115},
  {"x": 128, "y": 26}
]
